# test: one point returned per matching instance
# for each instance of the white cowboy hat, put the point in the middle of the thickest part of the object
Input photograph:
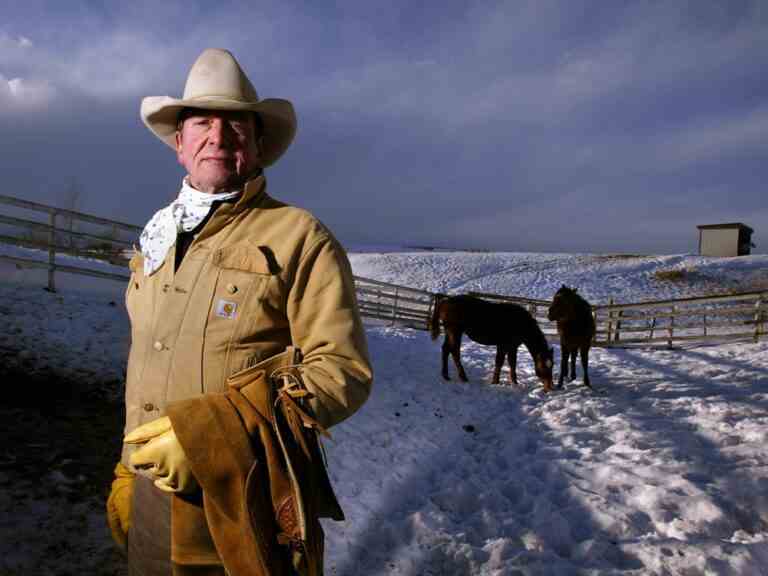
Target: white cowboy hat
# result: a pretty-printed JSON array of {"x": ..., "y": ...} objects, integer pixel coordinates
[{"x": 216, "y": 82}]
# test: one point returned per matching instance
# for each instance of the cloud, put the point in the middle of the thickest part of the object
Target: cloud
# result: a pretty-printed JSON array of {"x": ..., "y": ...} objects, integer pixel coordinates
[
  {"x": 741, "y": 133},
  {"x": 525, "y": 65},
  {"x": 13, "y": 43},
  {"x": 20, "y": 95}
]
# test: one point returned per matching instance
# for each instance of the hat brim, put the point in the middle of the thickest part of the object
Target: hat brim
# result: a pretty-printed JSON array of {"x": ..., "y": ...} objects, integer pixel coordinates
[{"x": 160, "y": 114}]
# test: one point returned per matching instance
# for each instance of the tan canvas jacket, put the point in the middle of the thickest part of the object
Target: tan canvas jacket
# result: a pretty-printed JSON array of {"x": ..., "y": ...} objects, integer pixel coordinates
[{"x": 260, "y": 276}]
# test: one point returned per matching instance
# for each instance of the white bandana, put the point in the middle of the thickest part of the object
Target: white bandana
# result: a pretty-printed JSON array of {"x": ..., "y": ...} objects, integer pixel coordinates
[{"x": 182, "y": 215}]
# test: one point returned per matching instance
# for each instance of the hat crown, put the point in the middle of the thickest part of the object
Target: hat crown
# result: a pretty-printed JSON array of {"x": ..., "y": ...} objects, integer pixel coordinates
[{"x": 216, "y": 73}]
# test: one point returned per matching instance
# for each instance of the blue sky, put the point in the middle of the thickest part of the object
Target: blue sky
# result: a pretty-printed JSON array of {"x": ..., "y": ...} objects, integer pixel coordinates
[{"x": 543, "y": 126}]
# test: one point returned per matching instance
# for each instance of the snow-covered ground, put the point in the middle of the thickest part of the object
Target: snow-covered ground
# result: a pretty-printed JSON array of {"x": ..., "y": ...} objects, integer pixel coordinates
[{"x": 663, "y": 471}]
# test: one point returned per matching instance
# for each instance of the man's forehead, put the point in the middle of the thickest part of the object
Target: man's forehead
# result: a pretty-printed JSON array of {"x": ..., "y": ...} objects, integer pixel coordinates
[{"x": 227, "y": 114}]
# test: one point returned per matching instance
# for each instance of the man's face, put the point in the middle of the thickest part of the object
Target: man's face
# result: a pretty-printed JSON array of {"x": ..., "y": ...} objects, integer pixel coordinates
[{"x": 219, "y": 149}]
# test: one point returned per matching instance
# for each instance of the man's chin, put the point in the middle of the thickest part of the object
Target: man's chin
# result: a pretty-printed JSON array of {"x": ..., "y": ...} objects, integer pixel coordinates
[{"x": 218, "y": 183}]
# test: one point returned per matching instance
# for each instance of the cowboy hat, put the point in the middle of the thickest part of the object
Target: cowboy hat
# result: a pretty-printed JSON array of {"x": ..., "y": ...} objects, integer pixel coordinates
[{"x": 216, "y": 82}]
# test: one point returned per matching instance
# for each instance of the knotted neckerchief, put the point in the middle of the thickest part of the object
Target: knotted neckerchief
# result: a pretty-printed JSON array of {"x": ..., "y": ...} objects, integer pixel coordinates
[{"x": 182, "y": 215}]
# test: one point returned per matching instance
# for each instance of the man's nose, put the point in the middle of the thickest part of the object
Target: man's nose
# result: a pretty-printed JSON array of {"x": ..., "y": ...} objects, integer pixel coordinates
[{"x": 219, "y": 132}]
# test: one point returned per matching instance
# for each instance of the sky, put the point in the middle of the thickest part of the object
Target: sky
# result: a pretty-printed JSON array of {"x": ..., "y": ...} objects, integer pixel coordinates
[{"x": 553, "y": 126}]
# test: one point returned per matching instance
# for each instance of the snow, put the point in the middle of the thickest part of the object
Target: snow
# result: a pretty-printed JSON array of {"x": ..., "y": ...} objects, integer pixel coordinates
[{"x": 662, "y": 470}]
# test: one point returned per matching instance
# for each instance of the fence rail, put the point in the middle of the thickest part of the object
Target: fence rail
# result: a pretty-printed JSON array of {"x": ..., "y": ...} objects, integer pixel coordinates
[
  {"x": 393, "y": 304},
  {"x": 698, "y": 319},
  {"x": 58, "y": 236},
  {"x": 654, "y": 323}
]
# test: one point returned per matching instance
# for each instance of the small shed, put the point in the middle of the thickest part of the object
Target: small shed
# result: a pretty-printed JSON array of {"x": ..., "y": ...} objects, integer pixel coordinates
[{"x": 732, "y": 239}]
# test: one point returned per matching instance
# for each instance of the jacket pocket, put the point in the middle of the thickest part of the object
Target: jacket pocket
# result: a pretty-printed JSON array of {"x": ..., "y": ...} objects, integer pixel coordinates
[{"x": 245, "y": 309}]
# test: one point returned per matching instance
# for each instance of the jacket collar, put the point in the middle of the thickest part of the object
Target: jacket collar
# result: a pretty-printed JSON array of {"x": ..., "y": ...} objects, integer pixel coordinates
[{"x": 253, "y": 191}]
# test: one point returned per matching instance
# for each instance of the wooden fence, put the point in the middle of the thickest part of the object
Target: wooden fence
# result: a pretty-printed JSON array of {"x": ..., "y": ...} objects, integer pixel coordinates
[
  {"x": 668, "y": 323},
  {"x": 380, "y": 302},
  {"x": 654, "y": 323},
  {"x": 60, "y": 234},
  {"x": 386, "y": 303},
  {"x": 686, "y": 320}
]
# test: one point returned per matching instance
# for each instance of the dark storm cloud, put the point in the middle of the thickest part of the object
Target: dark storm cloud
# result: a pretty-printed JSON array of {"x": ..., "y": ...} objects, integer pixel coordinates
[{"x": 521, "y": 126}]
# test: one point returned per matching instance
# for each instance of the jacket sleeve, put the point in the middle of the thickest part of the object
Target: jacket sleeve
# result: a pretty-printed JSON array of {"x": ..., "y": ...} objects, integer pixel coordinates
[{"x": 325, "y": 324}]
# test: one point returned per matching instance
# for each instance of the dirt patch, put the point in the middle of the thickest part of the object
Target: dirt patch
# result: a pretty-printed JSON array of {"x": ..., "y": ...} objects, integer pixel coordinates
[{"x": 61, "y": 441}]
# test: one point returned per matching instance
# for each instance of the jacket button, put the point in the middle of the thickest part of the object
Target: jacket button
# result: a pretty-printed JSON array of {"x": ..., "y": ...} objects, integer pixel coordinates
[
  {"x": 158, "y": 345},
  {"x": 148, "y": 407},
  {"x": 231, "y": 288},
  {"x": 166, "y": 287}
]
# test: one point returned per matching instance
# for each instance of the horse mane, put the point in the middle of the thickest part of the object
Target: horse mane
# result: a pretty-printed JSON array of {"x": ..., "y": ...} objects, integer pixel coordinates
[
  {"x": 582, "y": 308},
  {"x": 574, "y": 293},
  {"x": 434, "y": 321},
  {"x": 542, "y": 339}
]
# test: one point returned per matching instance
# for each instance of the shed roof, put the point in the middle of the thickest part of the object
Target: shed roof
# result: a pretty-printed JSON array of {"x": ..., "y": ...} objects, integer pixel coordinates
[{"x": 728, "y": 225}]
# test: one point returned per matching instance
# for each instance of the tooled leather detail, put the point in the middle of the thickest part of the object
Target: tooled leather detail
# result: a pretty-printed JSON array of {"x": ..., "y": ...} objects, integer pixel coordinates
[{"x": 287, "y": 519}]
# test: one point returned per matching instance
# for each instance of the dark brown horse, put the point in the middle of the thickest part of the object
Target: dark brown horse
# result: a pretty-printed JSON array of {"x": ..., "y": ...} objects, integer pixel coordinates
[
  {"x": 504, "y": 325},
  {"x": 576, "y": 327}
]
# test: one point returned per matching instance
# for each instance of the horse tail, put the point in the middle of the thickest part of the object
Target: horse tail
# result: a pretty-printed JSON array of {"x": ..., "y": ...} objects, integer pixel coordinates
[{"x": 434, "y": 321}]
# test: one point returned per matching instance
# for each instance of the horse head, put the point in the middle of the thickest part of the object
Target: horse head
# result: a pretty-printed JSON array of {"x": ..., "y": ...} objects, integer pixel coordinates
[
  {"x": 561, "y": 303},
  {"x": 542, "y": 364}
]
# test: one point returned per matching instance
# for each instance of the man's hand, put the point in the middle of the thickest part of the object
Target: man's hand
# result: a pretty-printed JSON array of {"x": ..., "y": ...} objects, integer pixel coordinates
[
  {"x": 162, "y": 456},
  {"x": 119, "y": 505}
]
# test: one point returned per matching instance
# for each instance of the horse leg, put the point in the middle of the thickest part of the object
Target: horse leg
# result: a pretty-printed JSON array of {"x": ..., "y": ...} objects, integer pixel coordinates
[
  {"x": 512, "y": 359},
  {"x": 499, "y": 364},
  {"x": 456, "y": 353},
  {"x": 446, "y": 351},
  {"x": 563, "y": 364},
  {"x": 572, "y": 375},
  {"x": 584, "y": 363}
]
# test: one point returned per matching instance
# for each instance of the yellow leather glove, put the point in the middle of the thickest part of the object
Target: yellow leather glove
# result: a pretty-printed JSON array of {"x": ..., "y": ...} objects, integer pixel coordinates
[
  {"x": 119, "y": 505},
  {"x": 162, "y": 456}
]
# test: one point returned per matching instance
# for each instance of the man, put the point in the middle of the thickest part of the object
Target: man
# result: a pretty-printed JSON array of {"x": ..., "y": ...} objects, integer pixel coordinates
[{"x": 246, "y": 343}]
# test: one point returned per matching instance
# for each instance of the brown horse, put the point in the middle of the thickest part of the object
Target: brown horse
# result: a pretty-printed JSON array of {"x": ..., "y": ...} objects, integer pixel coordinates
[
  {"x": 576, "y": 327},
  {"x": 504, "y": 325}
]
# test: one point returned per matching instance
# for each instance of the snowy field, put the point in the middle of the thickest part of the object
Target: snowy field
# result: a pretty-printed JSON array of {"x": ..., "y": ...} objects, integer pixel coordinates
[{"x": 663, "y": 471}]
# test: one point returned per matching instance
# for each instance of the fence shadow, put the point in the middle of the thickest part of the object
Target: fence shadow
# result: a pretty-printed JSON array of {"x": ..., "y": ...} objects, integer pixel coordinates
[
  {"x": 473, "y": 484},
  {"x": 721, "y": 476}
]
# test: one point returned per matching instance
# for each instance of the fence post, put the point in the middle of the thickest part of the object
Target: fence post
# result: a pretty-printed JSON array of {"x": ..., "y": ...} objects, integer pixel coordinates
[
  {"x": 618, "y": 325},
  {"x": 394, "y": 307},
  {"x": 671, "y": 326},
  {"x": 52, "y": 252},
  {"x": 759, "y": 317},
  {"x": 609, "y": 332},
  {"x": 594, "y": 319},
  {"x": 653, "y": 327}
]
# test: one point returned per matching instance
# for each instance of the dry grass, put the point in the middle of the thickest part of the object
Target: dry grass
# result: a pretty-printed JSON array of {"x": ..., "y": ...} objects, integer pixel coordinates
[{"x": 674, "y": 274}]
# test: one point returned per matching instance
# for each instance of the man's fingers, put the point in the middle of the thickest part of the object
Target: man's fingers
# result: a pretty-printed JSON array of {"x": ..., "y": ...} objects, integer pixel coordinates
[
  {"x": 148, "y": 456},
  {"x": 165, "y": 485},
  {"x": 147, "y": 431}
]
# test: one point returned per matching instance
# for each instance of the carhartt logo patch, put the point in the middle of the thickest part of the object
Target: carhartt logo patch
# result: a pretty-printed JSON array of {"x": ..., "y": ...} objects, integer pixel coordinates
[{"x": 226, "y": 309}]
